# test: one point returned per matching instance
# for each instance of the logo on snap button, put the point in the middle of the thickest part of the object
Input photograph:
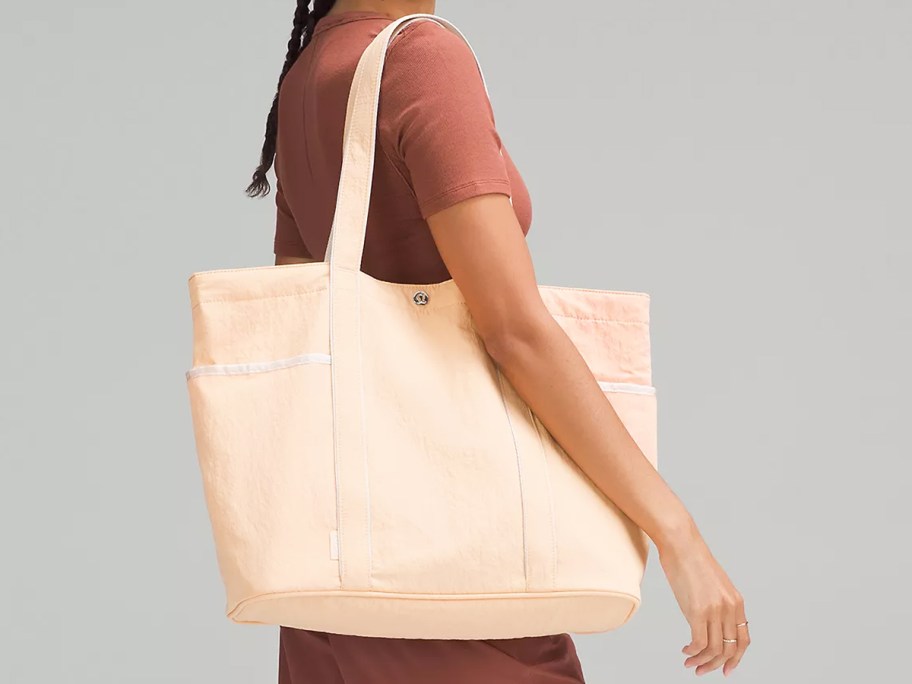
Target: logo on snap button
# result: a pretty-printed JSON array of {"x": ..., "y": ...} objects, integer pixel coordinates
[{"x": 420, "y": 297}]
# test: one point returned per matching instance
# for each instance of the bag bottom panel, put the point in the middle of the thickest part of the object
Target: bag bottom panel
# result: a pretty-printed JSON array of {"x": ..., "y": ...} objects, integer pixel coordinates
[{"x": 435, "y": 616}]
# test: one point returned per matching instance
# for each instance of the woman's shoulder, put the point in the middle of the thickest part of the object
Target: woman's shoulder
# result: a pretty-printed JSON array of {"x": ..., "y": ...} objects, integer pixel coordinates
[
  {"x": 425, "y": 46},
  {"x": 430, "y": 64}
]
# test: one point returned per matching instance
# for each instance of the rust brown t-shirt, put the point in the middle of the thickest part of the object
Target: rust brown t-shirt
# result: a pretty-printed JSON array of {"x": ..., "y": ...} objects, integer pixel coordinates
[{"x": 437, "y": 144}]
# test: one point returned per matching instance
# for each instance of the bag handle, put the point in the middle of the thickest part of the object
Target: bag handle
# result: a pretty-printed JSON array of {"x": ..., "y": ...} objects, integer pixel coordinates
[{"x": 346, "y": 239}]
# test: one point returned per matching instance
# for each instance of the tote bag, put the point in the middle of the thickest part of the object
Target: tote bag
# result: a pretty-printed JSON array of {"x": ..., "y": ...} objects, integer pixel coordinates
[{"x": 367, "y": 468}]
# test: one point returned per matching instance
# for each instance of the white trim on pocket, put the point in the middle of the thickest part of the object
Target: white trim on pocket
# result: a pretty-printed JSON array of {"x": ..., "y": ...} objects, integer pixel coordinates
[
  {"x": 258, "y": 367},
  {"x": 632, "y": 387}
]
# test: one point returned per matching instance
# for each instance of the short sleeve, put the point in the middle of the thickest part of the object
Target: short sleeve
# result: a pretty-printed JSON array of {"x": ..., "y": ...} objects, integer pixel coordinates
[
  {"x": 441, "y": 130},
  {"x": 287, "y": 241}
]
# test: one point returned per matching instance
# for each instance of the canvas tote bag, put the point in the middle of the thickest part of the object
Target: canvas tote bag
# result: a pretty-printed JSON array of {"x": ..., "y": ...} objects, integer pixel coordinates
[{"x": 367, "y": 468}]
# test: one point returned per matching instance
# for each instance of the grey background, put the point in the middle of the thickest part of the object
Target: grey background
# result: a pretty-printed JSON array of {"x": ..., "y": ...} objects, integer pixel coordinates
[{"x": 748, "y": 164}]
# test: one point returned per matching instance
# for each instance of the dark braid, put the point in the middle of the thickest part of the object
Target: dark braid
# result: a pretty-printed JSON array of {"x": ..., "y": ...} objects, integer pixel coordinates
[{"x": 302, "y": 31}]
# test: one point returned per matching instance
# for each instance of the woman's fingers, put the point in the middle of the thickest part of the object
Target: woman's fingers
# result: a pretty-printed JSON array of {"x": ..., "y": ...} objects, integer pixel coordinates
[
  {"x": 698, "y": 640},
  {"x": 743, "y": 643},
  {"x": 713, "y": 645},
  {"x": 729, "y": 647}
]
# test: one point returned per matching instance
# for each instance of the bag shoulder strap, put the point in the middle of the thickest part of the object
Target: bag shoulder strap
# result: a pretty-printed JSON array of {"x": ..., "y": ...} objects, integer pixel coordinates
[{"x": 346, "y": 239}]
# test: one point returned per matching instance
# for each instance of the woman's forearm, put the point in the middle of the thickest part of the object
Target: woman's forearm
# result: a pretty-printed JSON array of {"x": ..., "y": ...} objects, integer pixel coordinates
[{"x": 549, "y": 373}]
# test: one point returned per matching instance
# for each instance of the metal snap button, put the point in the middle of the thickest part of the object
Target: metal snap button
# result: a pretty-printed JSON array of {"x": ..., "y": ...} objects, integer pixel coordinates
[{"x": 421, "y": 298}]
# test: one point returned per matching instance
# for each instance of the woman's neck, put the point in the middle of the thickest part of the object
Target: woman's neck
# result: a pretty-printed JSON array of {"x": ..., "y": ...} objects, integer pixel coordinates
[{"x": 393, "y": 8}]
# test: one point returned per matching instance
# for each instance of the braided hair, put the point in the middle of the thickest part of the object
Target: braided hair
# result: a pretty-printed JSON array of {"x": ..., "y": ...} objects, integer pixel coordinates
[{"x": 302, "y": 31}]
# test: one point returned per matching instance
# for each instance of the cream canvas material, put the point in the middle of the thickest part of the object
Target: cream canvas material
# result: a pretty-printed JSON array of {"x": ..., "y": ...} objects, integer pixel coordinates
[{"x": 367, "y": 468}]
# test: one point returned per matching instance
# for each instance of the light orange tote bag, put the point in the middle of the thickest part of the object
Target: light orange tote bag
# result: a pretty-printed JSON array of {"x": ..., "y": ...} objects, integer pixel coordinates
[{"x": 367, "y": 468}]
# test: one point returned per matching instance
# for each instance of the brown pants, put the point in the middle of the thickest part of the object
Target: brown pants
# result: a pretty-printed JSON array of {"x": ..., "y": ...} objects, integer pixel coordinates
[{"x": 311, "y": 657}]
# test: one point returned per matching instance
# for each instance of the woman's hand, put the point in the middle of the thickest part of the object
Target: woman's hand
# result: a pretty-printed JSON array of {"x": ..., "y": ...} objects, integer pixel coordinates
[{"x": 710, "y": 602}]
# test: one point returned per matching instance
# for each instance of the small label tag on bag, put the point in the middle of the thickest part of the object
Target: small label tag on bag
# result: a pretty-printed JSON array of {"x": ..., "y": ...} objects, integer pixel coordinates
[{"x": 333, "y": 545}]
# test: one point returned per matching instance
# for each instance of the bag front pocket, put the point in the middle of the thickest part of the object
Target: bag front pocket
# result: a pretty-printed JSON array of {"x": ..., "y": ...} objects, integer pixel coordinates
[{"x": 264, "y": 440}]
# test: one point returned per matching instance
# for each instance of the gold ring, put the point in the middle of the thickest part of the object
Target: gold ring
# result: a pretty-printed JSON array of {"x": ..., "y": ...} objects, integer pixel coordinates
[
  {"x": 743, "y": 624},
  {"x": 730, "y": 641}
]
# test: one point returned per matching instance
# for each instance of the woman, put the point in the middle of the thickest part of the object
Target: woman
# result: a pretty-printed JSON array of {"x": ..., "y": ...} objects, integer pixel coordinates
[{"x": 447, "y": 201}]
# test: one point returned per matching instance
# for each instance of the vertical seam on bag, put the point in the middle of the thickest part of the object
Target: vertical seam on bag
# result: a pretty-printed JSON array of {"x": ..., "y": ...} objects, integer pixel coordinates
[
  {"x": 538, "y": 428},
  {"x": 370, "y": 547},
  {"x": 336, "y": 464},
  {"x": 519, "y": 468}
]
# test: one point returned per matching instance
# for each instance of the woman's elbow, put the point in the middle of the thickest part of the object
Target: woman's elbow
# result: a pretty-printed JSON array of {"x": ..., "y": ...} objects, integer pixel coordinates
[{"x": 517, "y": 336}]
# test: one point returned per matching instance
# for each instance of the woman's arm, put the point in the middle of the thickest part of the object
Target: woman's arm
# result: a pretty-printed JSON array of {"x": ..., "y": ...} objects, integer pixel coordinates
[
  {"x": 500, "y": 288},
  {"x": 539, "y": 359}
]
